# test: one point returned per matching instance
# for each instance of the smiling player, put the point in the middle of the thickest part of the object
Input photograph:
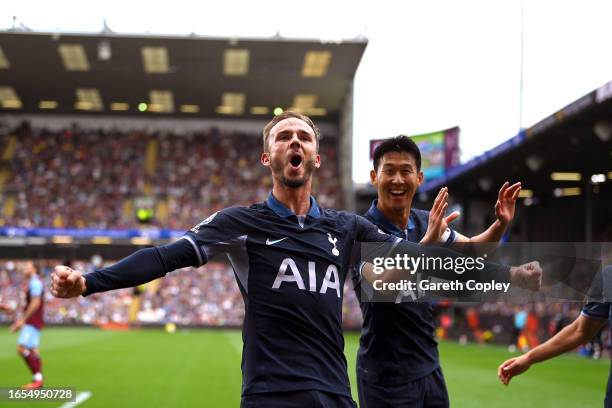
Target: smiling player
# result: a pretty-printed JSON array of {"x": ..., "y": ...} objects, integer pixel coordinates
[
  {"x": 397, "y": 362},
  {"x": 290, "y": 258}
]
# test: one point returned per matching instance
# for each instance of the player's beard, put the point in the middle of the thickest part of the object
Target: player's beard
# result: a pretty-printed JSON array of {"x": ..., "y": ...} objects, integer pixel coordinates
[{"x": 278, "y": 168}]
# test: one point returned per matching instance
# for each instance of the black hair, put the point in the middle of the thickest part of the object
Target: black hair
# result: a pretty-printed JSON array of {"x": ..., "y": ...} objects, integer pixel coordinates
[{"x": 401, "y": 143}]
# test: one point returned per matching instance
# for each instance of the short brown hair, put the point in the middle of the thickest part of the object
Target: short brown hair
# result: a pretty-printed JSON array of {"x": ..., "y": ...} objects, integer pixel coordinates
[{"x": 287, "y": 115}]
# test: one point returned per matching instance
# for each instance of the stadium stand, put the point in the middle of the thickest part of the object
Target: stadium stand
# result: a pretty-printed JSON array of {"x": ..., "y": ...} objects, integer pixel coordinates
[
  {"x": 89, "y": 178},
  {"x": 206, "y": 296}
]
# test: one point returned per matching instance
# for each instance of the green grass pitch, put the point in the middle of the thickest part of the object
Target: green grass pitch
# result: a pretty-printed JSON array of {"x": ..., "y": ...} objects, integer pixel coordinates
[{"x": 201, "y": 368}]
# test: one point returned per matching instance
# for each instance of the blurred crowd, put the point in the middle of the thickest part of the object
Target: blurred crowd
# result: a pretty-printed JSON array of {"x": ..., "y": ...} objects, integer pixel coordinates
[
  {"x": 205, "y": 296},
  {"x": 90, "y": 177},
  {"x": 209, "y": 296}
]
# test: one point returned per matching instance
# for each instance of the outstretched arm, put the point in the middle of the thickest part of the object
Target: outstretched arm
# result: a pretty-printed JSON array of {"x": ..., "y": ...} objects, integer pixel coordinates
[
  {"x": 527, "y": 276},
  {"x": 378, "y": 247},
  {"x": 142, "y": 266},
  {"x": 577, "y": 333}
]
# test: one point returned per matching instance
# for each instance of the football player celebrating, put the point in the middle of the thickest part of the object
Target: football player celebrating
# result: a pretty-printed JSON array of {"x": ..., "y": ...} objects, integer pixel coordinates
[
  {"x": 290, "y": 258},
  {"x": 397, "y": 362}
]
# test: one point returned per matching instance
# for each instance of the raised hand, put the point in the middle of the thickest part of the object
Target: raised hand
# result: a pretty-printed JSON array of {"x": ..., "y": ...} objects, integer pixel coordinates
[
  {"x": 66, "y": 282},
  {"x": 506, "y": 202},
  {"x": 438, "y": 223},
  {"x": 511, "y": 368}
]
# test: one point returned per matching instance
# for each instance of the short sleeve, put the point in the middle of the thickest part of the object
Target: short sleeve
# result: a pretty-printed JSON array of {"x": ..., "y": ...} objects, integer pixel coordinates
[
  {"x": 596, "y": 310},
  {"x": 600, "y": 290},
  {"x": 35, "y": 287}
]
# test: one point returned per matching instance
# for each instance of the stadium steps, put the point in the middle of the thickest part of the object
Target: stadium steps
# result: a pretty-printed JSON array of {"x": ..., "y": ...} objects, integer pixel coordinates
[
  {"x": 151, "y": 157},
  {"x": 153, "y": 286},
  {"x": 128, "y": 209},
  {"x": 8, "y": 209},
  {"x": 147, "y": 188},
  {"x": 9, "y": 150},
  {"x": 7, "y": 155},
  {"x": 161, "y": 211},
  {"x": 4, "y": 176}
]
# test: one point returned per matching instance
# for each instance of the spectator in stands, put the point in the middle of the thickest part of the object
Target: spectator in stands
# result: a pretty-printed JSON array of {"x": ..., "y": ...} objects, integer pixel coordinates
[{"x": 106, "y": 170}]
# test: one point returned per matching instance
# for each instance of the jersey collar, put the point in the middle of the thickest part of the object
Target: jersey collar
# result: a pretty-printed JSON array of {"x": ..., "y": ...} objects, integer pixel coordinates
[
  {"x": 282, "y": 211},
  {"x": 380, "y": 219}
]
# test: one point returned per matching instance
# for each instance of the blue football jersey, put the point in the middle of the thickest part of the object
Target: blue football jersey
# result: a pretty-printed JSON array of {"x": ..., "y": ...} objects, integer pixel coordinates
[
  {"x": 291, "y": 272},
  {"x": 397, "y": 343}
]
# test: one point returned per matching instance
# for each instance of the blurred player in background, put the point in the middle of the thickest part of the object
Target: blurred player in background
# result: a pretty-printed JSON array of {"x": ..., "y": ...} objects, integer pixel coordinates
[
  {"x": 30, "y": 325},
  {"x": 397, "y": 362},
  {"x": 290, "y": 258},
  {"x": 5, "y": 308},
  {"x": 592, "y": 319}
]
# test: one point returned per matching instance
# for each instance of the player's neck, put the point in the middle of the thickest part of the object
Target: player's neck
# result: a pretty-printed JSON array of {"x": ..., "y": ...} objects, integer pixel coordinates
[
  {"x": 295, "y": 199},
  {"x": 399, "y": 217}
]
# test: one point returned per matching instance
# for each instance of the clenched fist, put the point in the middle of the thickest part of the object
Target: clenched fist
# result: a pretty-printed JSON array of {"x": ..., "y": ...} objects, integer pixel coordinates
[
  {"x": 528, "y": 276},
  {"x": 66, "y": 282}
]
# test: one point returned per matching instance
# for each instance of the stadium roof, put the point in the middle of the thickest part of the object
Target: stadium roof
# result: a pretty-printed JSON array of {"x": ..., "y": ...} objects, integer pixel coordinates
[
  {"x": 174, "y": 76},
  {"x": 575, "y": 141}
]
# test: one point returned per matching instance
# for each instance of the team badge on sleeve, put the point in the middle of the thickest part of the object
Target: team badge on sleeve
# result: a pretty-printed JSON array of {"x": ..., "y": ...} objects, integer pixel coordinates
[{"x": 196, "y": 229}]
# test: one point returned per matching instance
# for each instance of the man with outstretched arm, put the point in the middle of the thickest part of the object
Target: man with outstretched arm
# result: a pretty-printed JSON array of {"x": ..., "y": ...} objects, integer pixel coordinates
[
  {"x": 593, "y": 317},
  {"x": 290, "y": 259}
]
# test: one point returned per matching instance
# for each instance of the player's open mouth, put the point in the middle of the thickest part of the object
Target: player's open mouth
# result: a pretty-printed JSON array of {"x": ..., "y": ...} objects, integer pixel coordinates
[
  {"x": 295, "y": 161},
  {"x": 397, "y": 193}
]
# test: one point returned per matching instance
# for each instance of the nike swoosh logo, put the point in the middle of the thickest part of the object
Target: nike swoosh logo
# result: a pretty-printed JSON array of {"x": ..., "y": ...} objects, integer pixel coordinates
[{"x": 268, "y": 242}]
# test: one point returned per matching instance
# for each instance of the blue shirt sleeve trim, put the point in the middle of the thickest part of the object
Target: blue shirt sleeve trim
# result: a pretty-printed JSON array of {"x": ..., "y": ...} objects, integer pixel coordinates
[
  {"x": 36, "y": 287},
  {"x": 593, "y": 317},
  {"x": 451, "y": 238}
]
